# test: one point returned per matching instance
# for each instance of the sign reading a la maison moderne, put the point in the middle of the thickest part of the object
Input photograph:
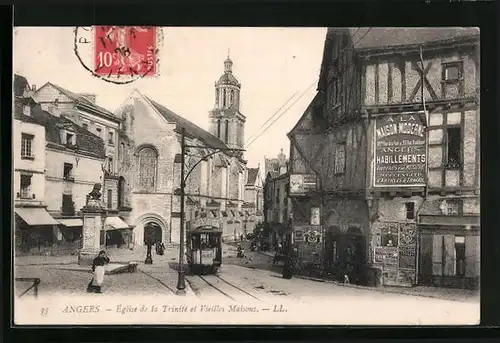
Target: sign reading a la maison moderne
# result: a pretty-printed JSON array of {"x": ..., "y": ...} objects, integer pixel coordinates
[{"x": 400, "y": 156}]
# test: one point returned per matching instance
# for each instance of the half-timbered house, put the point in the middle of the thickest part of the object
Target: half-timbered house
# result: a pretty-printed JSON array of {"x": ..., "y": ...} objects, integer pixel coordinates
[
  {"x": 328, "y": 147},
  {"x": 420, "y": 95},
  {"x": 390, "y": 145}
]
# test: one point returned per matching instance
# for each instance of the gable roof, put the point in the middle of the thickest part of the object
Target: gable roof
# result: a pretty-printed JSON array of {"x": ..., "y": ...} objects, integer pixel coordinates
[
  {"x": 252, "y": 176},
  {"x": 304, "y": 118},
  {"x": 20, "y": 85},
  {"x": 366, "y": 39},
  {"x": 80, "y": 99},
  {"x": 86, "y": 142},
  {"x": 192, "y": 129},
  {"x": 380, "y": 37}
]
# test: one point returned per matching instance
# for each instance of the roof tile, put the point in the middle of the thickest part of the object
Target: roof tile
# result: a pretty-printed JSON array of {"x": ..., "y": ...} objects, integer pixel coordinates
[
  {"x": 85, "y": 140},
  {"x": 191, "y": 128}
]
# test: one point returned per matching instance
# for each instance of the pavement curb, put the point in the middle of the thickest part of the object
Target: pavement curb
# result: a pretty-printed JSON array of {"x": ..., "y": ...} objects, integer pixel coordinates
[{"x": 381, "y": 289}]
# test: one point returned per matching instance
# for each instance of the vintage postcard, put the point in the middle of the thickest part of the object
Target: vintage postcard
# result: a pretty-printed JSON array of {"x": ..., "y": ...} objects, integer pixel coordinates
[{"x": 196, "y": 175}]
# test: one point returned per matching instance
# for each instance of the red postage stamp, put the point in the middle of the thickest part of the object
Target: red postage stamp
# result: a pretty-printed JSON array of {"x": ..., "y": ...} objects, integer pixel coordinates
[{"x": 125, "y": 50}]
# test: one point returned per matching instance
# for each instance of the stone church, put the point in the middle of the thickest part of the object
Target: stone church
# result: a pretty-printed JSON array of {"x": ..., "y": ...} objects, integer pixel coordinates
[{"x": 149, "y": 144}]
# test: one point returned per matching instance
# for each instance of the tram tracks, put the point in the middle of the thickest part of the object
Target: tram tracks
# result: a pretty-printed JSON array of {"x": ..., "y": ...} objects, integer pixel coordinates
[
  {"x": 215, "y": 282},
  {"x": 159, "y": 281}
]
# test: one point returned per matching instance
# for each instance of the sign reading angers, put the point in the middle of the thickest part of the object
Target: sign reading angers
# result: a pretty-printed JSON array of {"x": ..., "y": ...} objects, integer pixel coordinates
[{"x": 400, "y": 156}]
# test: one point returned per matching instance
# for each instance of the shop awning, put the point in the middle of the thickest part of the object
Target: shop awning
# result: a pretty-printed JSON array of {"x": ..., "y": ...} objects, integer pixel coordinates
[
  {"x": 115, "y": 223},
  {"x": 35, "y": 216},
  {"x": 71, "y": 222}
]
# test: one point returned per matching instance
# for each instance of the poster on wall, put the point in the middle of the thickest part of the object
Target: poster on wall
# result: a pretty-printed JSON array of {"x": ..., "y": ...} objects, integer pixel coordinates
[
  {"x": 400, "y": 155},
  {"x": 315, "y": 217},
  {"x": 300, "y": 184}
]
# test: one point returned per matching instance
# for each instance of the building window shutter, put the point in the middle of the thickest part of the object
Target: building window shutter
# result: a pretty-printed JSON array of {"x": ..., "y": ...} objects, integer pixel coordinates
[
  {"x": 437, "y": 254},
  {"x": 449, "y": 257},
  {"x": 472, "y": 256}
]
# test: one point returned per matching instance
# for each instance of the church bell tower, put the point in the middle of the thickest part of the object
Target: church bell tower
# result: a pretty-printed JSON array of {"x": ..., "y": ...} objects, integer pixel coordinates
[{"x": 226, "y": 121}]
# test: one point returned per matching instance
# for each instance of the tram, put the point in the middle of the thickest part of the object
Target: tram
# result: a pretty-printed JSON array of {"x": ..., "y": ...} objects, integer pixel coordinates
[{"x": 204, "y": 249}]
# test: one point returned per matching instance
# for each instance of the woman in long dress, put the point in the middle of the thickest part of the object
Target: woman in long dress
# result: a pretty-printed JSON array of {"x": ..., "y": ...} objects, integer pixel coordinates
[{"x": 98, "y": 272}]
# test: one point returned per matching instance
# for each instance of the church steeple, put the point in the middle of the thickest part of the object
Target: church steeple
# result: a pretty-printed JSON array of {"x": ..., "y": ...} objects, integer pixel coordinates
[
  {"x": 226, "y": 120},
  {"x": 228, "y": 64}
]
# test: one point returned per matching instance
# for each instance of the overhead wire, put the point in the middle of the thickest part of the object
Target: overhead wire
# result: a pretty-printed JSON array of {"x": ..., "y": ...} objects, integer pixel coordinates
[
  {"x": 285, "y": 111},
  {"x": 340, "y": 72},
  {"x": 274, "y": 114}
]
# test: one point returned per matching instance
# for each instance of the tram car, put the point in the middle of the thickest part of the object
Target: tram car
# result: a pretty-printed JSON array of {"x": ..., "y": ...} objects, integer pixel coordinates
[{"x": 204, "y": 249}]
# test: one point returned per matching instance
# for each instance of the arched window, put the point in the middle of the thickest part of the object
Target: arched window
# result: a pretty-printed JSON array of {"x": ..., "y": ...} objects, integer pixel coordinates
[
  {"x": 227, "y": 132},
  {"x": 231, "y": 97},
  {"x": 147, "y": 161},
  {"x": 218, "y": 128},
  {"x": 121, "y": 191},
  {"x": 224, "y": 98}
]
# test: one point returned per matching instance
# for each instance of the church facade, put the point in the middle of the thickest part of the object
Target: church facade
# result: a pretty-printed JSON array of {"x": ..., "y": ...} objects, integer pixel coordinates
[{"x": 149, "y": 144}]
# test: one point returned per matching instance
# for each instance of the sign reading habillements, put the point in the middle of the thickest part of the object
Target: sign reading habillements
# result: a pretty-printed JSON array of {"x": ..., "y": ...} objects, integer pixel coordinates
[{"x": 400, "y": 156}]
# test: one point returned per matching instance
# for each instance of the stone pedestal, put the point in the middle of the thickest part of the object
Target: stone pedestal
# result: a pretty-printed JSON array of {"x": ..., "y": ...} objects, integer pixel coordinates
[{"x": 93, "y": 218}]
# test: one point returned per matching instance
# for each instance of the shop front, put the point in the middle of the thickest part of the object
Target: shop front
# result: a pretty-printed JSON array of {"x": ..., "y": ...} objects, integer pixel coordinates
[
  {"x": 308, "y": 242},
  {"x": 117, "y": 233},
  {"x": 36, "y": 230},
  {"x": 449, "y": 251}
]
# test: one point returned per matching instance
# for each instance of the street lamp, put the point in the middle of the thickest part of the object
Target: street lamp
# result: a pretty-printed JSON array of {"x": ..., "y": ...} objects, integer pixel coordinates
[{"x": 181, "y": 282}]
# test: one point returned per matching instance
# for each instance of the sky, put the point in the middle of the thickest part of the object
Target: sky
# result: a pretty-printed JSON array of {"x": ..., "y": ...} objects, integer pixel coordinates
[{"x": 272, "y": 64}]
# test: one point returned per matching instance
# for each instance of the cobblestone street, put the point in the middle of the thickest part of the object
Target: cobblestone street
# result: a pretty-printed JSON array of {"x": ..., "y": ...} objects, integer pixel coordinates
[
  {"x": 62, "y": 275},
  {"x": 250, "y": 280}
]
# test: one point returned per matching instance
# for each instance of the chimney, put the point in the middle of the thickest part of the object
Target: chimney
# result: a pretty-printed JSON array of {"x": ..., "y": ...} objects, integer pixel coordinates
[
  {"x": 33, "y": 88},
  {"x": 90, "y": 97}
]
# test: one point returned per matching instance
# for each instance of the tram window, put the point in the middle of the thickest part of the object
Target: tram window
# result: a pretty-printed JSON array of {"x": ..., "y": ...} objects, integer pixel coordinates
[
  {"x": 194, "y": 242},
  {"x": 213, "y": 241}
]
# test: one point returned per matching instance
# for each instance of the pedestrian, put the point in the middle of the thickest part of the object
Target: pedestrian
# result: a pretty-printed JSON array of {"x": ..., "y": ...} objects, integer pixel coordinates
[
  {"x": 241, "y": 237},
  {"x": 288, "y": 267},
  {"x": 98, "y": 272}
]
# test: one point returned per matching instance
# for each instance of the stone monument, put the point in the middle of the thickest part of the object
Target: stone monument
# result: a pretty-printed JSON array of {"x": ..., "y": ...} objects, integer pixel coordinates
[{"x": 94, "y": 216}]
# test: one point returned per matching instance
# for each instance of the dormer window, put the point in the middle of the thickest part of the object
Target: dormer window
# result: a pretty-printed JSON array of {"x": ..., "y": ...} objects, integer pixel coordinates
[
  {"x": 27, "y": 110},
  {"x": 111, "y": 138},
  {"x": 69, "y": 138}
]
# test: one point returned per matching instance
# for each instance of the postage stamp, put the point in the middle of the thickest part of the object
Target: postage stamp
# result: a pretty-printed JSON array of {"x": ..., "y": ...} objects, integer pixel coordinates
[
  {"x": 126, "y": 212},
  {"x": 119, "y": 54}
]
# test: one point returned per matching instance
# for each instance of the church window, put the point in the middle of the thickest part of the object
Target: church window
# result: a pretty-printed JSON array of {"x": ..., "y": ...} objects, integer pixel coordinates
[
  {"x": 147, "y": 168},
  {"x": 231, "y": 98},
  {"x": 218, "y": 128},
  {"x": 224, "y": 98},
  {"x": 227, "y": 132}
]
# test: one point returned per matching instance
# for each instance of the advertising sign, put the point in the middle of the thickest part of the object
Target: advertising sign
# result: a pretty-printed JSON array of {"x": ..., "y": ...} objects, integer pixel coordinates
[
  {"x": 407, "y": 256},
  {"x": 300, "y": 184},
  {"x": 304, "y": 233},
  {"x": 386, "y": 255},
  {"x": 400, "y": 156},
  {"x": 315, "y": 217}
]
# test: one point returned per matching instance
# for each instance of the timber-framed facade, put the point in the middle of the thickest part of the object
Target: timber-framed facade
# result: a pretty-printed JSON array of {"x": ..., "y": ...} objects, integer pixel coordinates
[{"x": 398, "y": 181}]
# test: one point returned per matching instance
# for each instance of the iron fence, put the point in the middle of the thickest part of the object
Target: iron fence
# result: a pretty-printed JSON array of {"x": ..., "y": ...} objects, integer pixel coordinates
[{"x": 35, "y": 282}]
